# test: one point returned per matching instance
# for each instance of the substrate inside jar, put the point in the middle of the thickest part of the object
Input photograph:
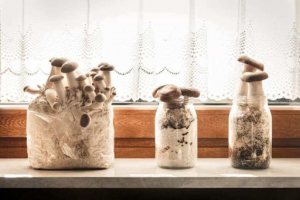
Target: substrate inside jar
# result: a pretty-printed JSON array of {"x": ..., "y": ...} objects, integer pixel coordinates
[
  {"x": 176, "y": 137},
  {"x": 250, "y": 142}
]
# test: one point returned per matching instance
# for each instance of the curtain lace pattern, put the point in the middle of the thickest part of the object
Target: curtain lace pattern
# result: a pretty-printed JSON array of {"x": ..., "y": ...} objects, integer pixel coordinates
[{"x": 151, "y": 42}]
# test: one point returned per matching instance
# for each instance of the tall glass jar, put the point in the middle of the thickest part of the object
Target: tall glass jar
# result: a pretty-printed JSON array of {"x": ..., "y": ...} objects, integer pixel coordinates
[
  {"x": 250, "y": 133},
  {"x": 176, "y": 134}
]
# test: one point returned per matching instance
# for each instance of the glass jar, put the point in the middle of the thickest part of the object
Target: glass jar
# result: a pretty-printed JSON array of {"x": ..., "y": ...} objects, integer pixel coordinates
[
  {"x": 176, "y": 134},
  {"x": 250, "y": 133}
]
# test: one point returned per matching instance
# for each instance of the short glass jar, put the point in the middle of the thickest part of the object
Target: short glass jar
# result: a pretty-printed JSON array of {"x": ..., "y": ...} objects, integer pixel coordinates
[
  {"x": 176, "y": 134},
  {"x": 250, "y": 133}
]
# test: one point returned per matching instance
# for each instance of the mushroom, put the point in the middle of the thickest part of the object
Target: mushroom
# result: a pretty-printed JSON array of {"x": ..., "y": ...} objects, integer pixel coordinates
[
  {"x": 30, "y": 90},
  {"x": 69, "y": 69},
  {"x": 99, "y": 83},
  {"x": 51, "y": 98},
  {"x": 99, "y": 100},
  {"x": 81, "y": 81},
  {"x": 255, "y": 82},
  {"x": 89, "y": 78},
  {"x": 190, "y": 92},
  {"x": 81, "y": 117},
  {"x": 92, "y": 75},
  {"x": 169, "y": 93},
  {"x": 113, "y": 94},
  {"x": 60, "y": 90},
  {"x": 102, "y": 64},
  {"x": 107, "y": 92},
  {"x": 89, "y": 89},
  {"x": 57, "y": 63},
  {"x": 250, "y": 65},
  {"x": 52, "y": 72},
  {"x": 95, "y": 69},
  {"x": 106, "y": 69},
  {"x": 154, "y": 93}
]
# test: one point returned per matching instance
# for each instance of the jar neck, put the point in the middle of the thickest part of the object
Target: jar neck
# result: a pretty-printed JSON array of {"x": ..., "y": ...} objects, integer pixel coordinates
[
  {"x": 177, "y": 103},
  {"x": 251, "y": 100}
]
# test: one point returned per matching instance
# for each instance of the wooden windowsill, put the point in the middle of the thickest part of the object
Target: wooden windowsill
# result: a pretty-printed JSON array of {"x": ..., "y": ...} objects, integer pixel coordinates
[{"x": 134, "y": 131}]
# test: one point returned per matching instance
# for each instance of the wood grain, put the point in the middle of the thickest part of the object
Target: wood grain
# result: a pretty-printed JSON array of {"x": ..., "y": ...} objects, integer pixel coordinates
[{"x": 134, "y": 133}]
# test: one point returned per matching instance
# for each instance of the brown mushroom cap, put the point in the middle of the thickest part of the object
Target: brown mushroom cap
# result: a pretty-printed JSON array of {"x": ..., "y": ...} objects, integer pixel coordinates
[
  {"x": 92, "y": 74},
  {"x": 95, "y": 69},
  {"x": 87, "y": 74},
  {"x": 98, "y": 77},
  {"x": 190, "y": 92},
  {"x": 55, "y": 78},
  {"x": 107, "y": 89},
  {"x": 85, "y": 120},
  {"x": 169, "y": 93},
  {"x": 69, "y": 66},
  {"x": 25, "y": 88},
  {"x": 89, "y": 88},
  {"x": 102, "y": 64},
  {"x": 58, "y": 62},
  {"x": 100, "y": 97},
  {"x": 154, "y": 93},
  {"x": 107, "y": 68},
  {"x": 249, "y": 61},
  {"x": 81, "y": 78},
  {"x": 254, "y": 76}
]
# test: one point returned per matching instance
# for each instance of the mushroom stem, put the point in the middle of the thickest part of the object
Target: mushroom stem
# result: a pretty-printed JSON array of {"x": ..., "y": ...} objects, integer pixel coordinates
[
  {"x": 51, "y": 98},
  {"x": 69, "y": 69},
  {"x": 242, "y": 89},
  {"x": 30, "y": 90},
  {"x": 81, "y": 117},
  {"x": 107, "y": 78},
  {"x": 107, "y": 92},
  {"x": 78, "y": 94},
  {"x": 87, "y": 103},
  {"x": 59, "y": 87},
  {"x": 48, "y": 83},
  {"x": 111, "y": 97},
  {"x": 99, "y": 100},
  {"x": 89, "y": 90},
  {"x": 256, "y": 89}
]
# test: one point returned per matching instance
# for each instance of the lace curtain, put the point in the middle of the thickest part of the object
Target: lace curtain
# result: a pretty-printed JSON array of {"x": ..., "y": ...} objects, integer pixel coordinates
[{"x": 152, "y": 42}]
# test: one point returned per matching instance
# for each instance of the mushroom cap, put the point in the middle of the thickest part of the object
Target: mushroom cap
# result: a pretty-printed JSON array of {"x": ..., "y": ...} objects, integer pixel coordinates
[
  {"x": 107, "y": 68},
  {"x": 98, "y": 77},
  {"x": 81, "y": 78},
  {"x": 58, "y": 62},
  {"x": 190, "y": 92},
  {"x": 25, "y": 88},
  {"x": 107, "y": 89},
  {"x": 254, "y": 76},
  {"x": 249, "y": 61},
  {"x": 85, "y": 120},
  {"x": 95, "y": 69},
  {"x": 154, "y": 93},
  {"x": 102, "y": 64},
  {"x": 92, "y": 74},
  {"x": 89, "y": 88},
  {"x": 69, "y": 66},
  {"x": 55, "y": 78},
  {"x": 169, "y": 93},
  {"x": 87, "y": 74},
  {"x": 100, "y": 97}
]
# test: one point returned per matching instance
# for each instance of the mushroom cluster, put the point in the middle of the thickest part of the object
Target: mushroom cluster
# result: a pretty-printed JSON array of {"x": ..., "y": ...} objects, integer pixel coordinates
[
  {"x": 168, "y": 93},
  {"x": 251, "y": 78},
  {"x": 66, "y": 87}
]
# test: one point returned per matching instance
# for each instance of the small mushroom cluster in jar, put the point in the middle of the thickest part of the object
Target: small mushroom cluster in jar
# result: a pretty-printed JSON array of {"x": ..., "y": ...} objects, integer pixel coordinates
[
  {"x": 250, "y": 120},
  {"x": 66, "y": 87}
]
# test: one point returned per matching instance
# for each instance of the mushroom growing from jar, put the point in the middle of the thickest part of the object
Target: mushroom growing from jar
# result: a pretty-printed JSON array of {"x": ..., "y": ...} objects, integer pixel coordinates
[
  {"x": 169, "y": 93},
  {"x": 250, "y": 65},
  {"x": 81, "y": 117},
  {"x": 99, "y": 83},
  {"x": 99, "y": 100},
  {"x": 60, "y": 90},
  {"x": 89, "y": 78},
  {"x": 51, "y": 98},
  {"x": 52, "y": 72},
  {"x": 92, "y": 75},
  {"x": 69, "y": 69},
  {"x": 190, "y": 92},
  {"x": 81, "y": 81},
  {"x": 31, "y": 90},
  {"x": 57, "y": 63},
  {"x": 106, "y": 69},
  {"x": 89, "y": 90},
  {"x": 255, "y": 82},
  {"x": 95, "y": 69}
]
